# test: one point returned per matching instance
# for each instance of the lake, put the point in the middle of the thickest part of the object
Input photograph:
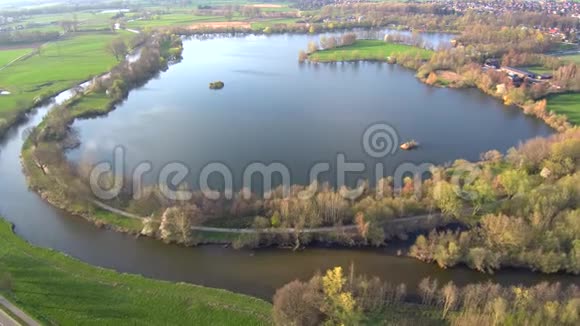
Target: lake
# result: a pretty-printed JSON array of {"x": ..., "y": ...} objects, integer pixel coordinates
[{"x": 275, "y": 110}]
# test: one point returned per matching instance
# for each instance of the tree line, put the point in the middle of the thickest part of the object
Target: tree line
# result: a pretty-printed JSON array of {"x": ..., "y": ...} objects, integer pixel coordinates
[
  {"x": 28, "y": 37},
  {"x": 338, "y": 299}
]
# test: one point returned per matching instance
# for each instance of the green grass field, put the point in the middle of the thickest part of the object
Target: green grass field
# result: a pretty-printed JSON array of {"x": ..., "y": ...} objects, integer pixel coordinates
[
  {"x": 567, "y": 104},
  {"x": 368, "y": 50},
  {"x": 59, "y": 66},
  {"x": 57, "y": 289},
  {"x": 8, "y": 56},
  {"x": 573, "y": 58}
]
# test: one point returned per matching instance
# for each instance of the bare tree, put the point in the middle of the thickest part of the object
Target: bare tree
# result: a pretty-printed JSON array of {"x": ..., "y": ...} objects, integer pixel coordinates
[
  {"x": 427, "y": 290},
  {"x": 448, "y": 297}
]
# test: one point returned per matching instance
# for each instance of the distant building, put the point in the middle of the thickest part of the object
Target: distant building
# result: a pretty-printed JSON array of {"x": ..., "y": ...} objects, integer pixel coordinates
[{"x": 522, "y": 73}]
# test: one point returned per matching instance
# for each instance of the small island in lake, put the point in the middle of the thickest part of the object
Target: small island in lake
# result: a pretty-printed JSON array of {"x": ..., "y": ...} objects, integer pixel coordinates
[
  {"x": 216, "y": 85},
  {"x": 409, "y": 145}
]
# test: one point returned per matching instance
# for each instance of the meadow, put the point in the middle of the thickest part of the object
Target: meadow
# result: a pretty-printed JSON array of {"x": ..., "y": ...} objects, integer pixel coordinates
[
  {"x": 59, "y": 66},
  {"x": 8, "y": 56},
  {"x": 368, "y": 50},
  {"x": 567, "y": 104},
  {"x": 57, "y": 289}
]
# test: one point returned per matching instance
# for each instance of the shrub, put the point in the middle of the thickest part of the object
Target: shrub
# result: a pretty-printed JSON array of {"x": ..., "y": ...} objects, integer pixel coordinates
[
  {"x": 293, "y": 305},
  {"x": 216, "y": 85}
]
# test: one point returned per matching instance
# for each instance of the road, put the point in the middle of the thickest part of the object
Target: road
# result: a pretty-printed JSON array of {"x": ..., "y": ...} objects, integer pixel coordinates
[{"x": 7, "y": 320}]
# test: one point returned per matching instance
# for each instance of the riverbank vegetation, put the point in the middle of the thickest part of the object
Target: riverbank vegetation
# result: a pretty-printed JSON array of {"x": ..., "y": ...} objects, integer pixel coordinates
[
  {"x": 336, "y": 298},
  {"x": 56, "y": 289},
  {"x": 537, "y": 225}
]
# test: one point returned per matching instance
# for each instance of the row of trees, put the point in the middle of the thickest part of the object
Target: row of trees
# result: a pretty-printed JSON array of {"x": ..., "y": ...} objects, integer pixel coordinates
[
  {"x": 160, "y": 50},
  {"x": 339, "y": 299}
]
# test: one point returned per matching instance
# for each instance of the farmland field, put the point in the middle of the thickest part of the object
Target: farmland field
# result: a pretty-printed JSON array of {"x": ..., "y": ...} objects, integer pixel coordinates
[{"x": 8, "y": 56}]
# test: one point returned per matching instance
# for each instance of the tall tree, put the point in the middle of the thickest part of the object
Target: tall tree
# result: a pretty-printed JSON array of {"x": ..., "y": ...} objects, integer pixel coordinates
[{"x": 118, "y": 48}]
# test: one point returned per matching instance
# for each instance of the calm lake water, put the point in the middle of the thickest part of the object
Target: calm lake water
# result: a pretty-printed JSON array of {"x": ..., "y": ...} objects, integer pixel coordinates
[{"x": 272, "y": 109}]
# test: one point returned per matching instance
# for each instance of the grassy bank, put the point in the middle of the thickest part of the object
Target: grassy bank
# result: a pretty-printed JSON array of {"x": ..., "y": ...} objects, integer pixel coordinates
[
  {"x": 566, "y": 104},
  {"x": 369, "y": 50},
  {"x": 59, "y": 66},
  {"x": 57, "y": 289}
]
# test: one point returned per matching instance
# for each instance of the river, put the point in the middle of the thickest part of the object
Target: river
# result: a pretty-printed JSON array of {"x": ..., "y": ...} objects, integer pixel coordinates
[{"x": 257, "y": 272}]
